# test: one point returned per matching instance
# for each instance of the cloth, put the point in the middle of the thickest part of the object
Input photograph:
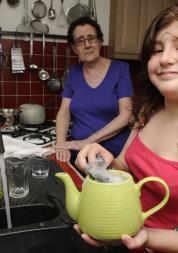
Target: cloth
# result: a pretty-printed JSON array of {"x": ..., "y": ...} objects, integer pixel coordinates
[
  {"x": 15, "y": 147},
  {"x": 93, "y": 108},
  {"x": 143, "y": 163}
]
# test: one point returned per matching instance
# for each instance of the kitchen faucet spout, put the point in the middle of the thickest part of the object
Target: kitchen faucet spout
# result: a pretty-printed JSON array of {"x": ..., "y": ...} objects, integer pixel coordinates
[{"x": 1, "y": 144}]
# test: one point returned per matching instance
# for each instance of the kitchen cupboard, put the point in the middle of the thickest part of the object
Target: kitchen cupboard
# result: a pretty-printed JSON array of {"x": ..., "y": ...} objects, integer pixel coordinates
[{"x": 128, "y": 22}]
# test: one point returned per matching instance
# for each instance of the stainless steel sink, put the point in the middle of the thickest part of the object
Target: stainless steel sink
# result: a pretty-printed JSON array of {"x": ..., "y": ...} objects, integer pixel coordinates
[
  {"x": 28, "y": 215},
  {"x": 40, "y": 229}
]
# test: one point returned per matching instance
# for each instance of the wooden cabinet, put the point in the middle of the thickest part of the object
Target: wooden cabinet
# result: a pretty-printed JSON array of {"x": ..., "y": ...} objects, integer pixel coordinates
[{"x": 128, "y": 22}]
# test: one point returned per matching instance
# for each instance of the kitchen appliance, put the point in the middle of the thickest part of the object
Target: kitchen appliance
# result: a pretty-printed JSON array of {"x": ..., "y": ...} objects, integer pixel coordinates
[
  {"x": 122, "y": 207},
  {"x": 42, "y": 135}
]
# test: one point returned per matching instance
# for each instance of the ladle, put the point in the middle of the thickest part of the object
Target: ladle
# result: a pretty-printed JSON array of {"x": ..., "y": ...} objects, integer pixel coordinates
[
  {"x": 54, "y": 84},
  {"x": 43, "y": 74},
  {"x": 51, "y": 11},
  {"x": 32, "y": 66}
]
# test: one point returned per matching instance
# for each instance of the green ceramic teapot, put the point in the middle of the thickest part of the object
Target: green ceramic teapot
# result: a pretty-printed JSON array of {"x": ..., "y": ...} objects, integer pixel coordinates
[{"x": 106, "y": 211}]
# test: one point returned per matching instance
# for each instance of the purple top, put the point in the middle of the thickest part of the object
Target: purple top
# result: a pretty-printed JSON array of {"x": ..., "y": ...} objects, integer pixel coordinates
[{"x": 93, "y": 108}]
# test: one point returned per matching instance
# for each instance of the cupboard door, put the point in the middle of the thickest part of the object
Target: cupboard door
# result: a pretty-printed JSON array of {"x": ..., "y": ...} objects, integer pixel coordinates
[{"x": 128, "y": 22}]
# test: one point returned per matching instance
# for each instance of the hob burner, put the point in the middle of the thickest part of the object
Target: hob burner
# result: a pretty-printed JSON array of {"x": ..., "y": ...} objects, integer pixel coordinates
[{"x": 38, "y": 138}]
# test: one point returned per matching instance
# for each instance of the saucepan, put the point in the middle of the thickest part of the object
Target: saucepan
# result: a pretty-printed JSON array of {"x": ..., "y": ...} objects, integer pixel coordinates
[
  {"x": 8, "y": 116},
  {"x": 32, "y": 114}
]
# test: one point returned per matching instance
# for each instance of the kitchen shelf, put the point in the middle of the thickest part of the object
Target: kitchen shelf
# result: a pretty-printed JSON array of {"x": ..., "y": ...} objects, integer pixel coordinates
[{"x": 21, "y": 34}]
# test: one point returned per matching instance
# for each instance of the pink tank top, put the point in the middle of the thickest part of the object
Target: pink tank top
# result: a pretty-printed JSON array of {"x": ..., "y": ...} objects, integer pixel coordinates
[{"x": 143, "y": 163}]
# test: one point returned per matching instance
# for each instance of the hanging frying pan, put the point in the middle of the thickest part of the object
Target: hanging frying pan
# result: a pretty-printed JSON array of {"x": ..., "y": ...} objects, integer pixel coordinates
[{"x": 76, "y": 11}]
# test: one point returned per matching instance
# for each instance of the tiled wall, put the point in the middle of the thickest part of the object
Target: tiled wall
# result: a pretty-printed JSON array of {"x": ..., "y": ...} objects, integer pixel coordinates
[{"x": 16, "y": 89}]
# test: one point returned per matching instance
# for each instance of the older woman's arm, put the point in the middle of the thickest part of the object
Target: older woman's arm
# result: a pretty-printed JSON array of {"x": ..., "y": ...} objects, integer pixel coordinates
[
  {"x": 62, "y": 126},
  {"x": 117, "y": 124}
]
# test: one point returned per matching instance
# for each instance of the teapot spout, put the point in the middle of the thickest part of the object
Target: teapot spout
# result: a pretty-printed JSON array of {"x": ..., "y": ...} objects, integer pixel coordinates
[{"x": 72, "y": 194}]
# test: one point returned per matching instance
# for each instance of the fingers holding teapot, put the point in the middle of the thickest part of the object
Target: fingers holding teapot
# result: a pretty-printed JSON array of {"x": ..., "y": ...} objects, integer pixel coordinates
[
  {"x": 139, "y": 240},
  {"x": 92, "y": 241}
]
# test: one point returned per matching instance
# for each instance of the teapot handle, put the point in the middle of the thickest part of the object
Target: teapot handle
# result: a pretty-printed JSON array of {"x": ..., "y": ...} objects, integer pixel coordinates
[{"x": 162, "y": 203}]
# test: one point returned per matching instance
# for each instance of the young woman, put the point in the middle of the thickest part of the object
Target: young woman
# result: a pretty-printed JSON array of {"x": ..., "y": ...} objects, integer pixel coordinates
[
  {"x": 152, "y": 148},
  {"x": 96, "y": 97}
]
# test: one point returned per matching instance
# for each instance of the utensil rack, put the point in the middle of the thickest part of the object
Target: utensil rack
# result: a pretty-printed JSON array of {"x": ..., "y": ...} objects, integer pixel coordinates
[{"x": 22, "y": 34}]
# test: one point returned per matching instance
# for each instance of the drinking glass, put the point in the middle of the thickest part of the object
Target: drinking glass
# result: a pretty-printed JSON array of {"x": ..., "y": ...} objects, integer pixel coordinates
[
  {"x": 18, "y": 172},
  {"x": 40, "y": 167}
]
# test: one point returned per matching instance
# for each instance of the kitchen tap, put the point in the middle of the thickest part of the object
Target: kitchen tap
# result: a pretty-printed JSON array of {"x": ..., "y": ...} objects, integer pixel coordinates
[
  {"x": 1, "y": 144},
  {"x": 3, "y": 183}
]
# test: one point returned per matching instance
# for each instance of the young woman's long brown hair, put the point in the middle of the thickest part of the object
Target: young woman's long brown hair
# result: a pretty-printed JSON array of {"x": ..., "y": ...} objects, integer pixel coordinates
[{"x": 148, "y": 99}]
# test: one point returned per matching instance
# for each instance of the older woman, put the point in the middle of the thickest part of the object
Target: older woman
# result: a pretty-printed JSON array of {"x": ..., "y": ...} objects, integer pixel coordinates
[{"x": 96, "y": 97}]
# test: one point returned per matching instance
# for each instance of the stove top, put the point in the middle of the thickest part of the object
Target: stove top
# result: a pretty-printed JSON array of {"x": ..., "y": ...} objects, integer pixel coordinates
[{"x": 42, "y": 134}]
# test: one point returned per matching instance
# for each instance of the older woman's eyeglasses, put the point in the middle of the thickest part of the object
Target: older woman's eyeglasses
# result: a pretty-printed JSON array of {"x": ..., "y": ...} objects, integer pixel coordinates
[{"x": 90, "y": 38}]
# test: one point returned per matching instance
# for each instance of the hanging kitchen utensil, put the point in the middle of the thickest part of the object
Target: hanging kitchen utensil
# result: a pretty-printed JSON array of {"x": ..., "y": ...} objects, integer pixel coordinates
[
  {"x": 32, "y": 66},
  {"x": 13, "y": 2},
  {"x": 54, "y": 84},
  {"x": 3, "y": 57},
  {"x": 39, "y": 9},
  {"x": 76, "y": 11},
  {"x": 43, "y": 74},
  {"x": 25, "y": 25},
  {"x": 62, "y": 18},
  {"x": 51, "y": 11},
  {"x": 17, "y": 61},
  {"x": 92, "y": 9},
  {"x": 66, "y": 66},
  {"x": 40, "y": 26}
]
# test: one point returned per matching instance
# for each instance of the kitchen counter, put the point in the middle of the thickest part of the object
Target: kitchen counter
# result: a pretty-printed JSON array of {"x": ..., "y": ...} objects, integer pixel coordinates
[{"x": 72, "y": 171}]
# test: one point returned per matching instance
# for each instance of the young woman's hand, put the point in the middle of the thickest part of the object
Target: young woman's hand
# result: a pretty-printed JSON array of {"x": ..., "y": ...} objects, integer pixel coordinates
[
  {"x": 88, "y": 155},
  {"x": 137, "y": 241},
  {"x": 94, "y": 242}
]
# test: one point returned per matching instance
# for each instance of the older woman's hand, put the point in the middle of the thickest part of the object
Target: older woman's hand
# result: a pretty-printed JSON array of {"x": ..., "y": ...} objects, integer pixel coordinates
[
  {"x": 62, "y": 155},
  {"x": 88, "y": 155}
]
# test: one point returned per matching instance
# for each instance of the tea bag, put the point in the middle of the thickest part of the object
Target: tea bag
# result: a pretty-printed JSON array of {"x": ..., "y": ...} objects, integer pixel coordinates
[{"x": 98, "y": 170}]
